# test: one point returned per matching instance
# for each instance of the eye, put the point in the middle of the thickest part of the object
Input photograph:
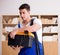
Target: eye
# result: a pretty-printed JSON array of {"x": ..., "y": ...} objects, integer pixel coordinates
[{"x": 23, "y": 12}]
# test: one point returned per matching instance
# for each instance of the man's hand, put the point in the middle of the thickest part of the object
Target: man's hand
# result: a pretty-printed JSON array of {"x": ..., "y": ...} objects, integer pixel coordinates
[
  {"x": 13, "y": 33},
  {"x": 17, "y": 48}
]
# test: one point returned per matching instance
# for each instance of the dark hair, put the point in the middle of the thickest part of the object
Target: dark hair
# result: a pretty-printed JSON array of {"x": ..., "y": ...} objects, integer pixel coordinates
[{"x": 25, "y": 6}]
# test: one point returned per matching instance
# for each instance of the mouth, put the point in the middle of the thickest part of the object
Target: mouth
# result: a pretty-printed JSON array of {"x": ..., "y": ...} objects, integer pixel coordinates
[{"x": 23, "y": 18}]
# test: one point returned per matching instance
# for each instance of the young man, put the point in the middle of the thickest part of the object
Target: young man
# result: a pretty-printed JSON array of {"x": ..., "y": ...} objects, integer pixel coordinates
[{"x": 24, "y": 11}]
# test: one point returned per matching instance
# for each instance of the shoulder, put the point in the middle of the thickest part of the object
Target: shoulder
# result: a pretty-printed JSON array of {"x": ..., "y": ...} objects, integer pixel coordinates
[{"x": 38, "y": 21}]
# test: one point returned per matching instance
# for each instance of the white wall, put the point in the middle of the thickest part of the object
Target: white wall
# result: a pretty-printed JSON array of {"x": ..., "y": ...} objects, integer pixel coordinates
[
  {"x": 9, "y": 7},
  {"x": 0, "y": 34},
  {"x": 59, "y": 36},
  {"x": 37, "y": 6}
]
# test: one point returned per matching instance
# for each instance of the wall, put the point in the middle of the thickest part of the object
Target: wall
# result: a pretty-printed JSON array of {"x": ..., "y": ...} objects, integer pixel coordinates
[
  {"x": 0, "y": 34},
  {"x": 37, "y": 6},
  {"x": 59, "y": 36}
]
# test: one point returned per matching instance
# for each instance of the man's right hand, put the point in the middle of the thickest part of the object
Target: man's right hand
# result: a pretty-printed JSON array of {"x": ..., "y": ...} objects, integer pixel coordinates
[
  {"x": 13, "y": 33},
  {"x": 17, "y": 48}
]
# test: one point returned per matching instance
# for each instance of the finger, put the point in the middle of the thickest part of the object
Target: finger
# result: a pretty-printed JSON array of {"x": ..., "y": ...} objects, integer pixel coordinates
[
  {"x": 21, "y": 47},
  {"x": 12, "y": 35},
  {"x": 13, "y": 47}
]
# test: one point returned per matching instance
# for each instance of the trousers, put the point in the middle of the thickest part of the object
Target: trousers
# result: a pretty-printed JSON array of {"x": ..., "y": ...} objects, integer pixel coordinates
[{"x": 32, "y": 50}]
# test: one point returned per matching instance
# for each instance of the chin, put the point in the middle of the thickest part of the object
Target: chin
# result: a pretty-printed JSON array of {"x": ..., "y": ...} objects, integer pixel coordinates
[{"x": 24, "y": 19}]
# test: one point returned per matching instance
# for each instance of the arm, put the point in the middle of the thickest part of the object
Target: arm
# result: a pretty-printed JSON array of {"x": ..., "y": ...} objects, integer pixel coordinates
[
  {"x": 32, "y": 28},
  {"x": 36, "y": 26}
]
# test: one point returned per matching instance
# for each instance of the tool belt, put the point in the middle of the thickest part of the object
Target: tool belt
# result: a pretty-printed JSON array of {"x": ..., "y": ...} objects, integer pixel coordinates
[{"x": 24, "y": 39}]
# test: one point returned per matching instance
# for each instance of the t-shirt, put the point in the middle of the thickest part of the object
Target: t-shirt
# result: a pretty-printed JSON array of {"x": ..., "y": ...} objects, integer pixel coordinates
[{"x": 39, "y": 32}]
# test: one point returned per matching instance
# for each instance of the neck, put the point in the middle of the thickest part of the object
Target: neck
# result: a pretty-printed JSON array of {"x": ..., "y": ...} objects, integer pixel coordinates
[{"x": 28, "y": 20}]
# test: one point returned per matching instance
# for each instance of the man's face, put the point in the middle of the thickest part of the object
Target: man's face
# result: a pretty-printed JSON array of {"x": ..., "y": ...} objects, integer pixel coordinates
[{"x": 24, "y": 14}]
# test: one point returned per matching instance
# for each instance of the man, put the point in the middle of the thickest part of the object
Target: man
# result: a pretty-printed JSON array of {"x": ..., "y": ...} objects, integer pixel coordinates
[{"x": 24, "y": 11}]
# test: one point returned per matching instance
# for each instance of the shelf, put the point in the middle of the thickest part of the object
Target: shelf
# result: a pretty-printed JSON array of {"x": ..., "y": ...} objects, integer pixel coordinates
[
  {"x": 48, "y": 16},
  {"x": 49, "y": 24},
  {"x": 10, "y": 16},
  {"x": 50, "y": 33},
  {"x": 5, "y": 33},
  {"x": 37, "y": 16},
  {"x": 43, "y": 33},
  {"x": 47, "y": 21},
  {"x": 9, "y": 24}
]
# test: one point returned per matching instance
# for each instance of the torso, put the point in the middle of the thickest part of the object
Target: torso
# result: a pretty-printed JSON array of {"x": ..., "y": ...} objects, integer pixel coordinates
[
  {"x": 24, "y": 23},
  {"x": 39, "y": 32}
]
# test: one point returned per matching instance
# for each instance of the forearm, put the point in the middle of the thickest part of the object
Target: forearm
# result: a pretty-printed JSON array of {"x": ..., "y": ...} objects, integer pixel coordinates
[
  {"x": 28, "y": 28},
  {"x": 32, "y": 28}
]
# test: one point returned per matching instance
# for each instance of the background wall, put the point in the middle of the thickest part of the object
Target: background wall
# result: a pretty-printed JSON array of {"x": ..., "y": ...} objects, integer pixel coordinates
[
  {"x": 10, "y": 7},
  {"x": 0, "y": 34},
  {"x": 37, "y": 6}
]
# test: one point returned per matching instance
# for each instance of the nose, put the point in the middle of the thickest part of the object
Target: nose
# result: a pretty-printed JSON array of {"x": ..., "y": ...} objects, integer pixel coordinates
[{"x": 21, "y": 15}]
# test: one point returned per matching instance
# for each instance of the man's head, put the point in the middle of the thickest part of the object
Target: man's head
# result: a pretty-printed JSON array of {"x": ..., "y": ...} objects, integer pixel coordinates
[
  {"x": 25, "y": 6},
  {"x": 24, "y": 11}
]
